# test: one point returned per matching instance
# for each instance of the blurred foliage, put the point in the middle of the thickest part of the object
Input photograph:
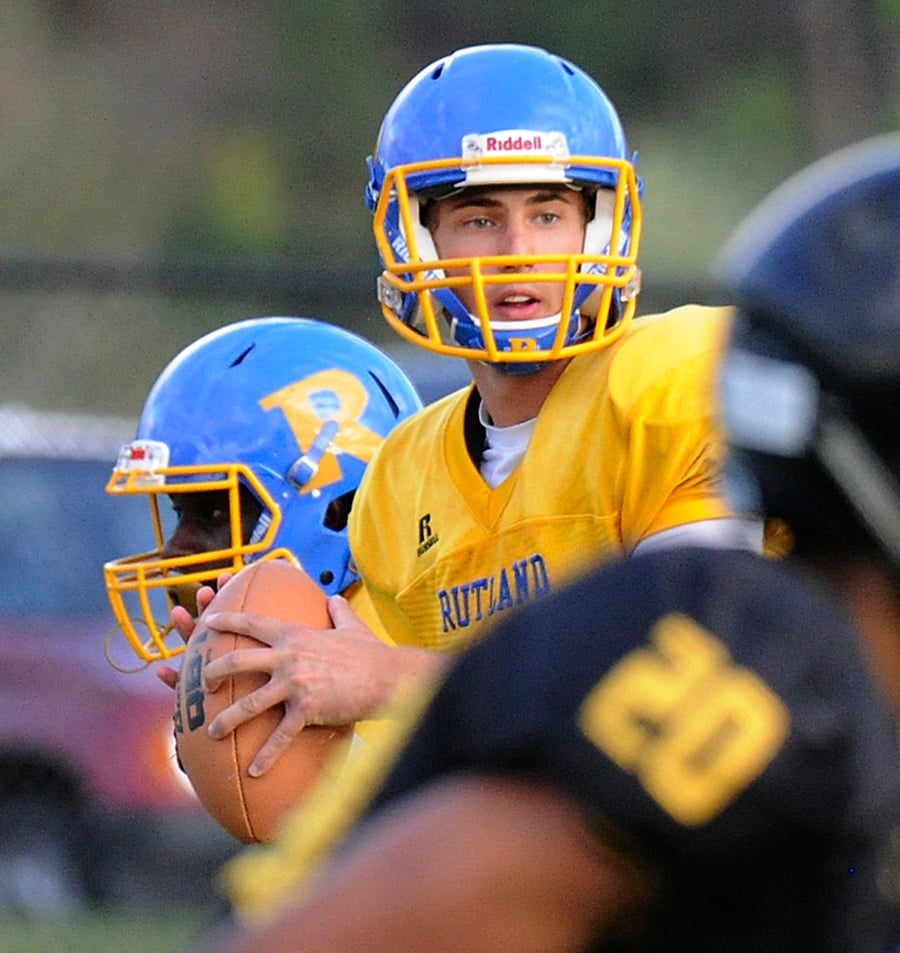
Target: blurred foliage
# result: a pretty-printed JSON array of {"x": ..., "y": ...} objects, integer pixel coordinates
[
  {"x": 236, "y": 130},
  {"x": 103, "y": 931}
]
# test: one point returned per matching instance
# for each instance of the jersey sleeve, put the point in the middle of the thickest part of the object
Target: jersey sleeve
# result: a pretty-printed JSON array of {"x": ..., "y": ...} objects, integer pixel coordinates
[{"x": 664, "y": 386}]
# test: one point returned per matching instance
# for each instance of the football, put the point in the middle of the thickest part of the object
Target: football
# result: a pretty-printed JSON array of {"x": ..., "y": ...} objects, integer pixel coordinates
[{"x": 249, "y": 808}]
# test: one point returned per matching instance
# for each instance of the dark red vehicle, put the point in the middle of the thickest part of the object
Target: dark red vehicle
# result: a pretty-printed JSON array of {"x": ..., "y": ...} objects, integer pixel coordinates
[{"x": 94, "y": 805}]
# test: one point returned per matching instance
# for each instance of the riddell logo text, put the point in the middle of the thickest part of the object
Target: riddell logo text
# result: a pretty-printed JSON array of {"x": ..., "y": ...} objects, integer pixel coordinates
[{"x": 512, "y": 144}]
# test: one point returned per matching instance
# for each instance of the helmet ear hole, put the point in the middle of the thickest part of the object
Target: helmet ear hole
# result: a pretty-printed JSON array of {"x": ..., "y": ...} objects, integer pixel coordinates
[{"x": 338, "y": 512}]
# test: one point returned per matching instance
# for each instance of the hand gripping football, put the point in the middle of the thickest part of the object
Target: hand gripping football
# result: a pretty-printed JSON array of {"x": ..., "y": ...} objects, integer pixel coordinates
[{"x": 249, "y": 808}]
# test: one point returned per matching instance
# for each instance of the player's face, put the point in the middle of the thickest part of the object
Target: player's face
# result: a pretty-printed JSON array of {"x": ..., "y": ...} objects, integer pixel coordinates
[
  {"x": 204, "y": 525},
  {"x": 515, "y": 220}
]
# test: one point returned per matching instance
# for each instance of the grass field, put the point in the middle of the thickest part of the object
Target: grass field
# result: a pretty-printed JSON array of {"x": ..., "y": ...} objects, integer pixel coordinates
[{"x": 103, "y": 931}]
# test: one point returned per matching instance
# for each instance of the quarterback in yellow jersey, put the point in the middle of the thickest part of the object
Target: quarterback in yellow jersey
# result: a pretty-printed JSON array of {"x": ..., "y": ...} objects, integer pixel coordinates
[{"x": 507, "y": 214}]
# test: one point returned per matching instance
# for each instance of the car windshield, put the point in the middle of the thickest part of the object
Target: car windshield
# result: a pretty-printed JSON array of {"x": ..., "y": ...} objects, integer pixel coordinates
[{"x": 57, "y": 528}]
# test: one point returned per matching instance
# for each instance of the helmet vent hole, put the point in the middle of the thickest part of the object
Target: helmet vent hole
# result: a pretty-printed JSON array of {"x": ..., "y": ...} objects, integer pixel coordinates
[
  {"x": 326, "y": 577},
  {"x": 395, "y": 410},
  {"x": 437, "y": 73},
  {"x": 240, "y": 358},
  {"x": 338, "y": 512}
]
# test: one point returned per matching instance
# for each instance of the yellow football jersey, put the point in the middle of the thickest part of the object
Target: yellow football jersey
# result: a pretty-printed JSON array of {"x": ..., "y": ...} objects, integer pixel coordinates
[{"x": 626, "y": 445}]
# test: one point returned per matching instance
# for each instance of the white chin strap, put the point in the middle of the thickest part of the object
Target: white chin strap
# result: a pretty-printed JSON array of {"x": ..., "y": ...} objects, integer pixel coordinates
[{"x": 536, "y": 324}]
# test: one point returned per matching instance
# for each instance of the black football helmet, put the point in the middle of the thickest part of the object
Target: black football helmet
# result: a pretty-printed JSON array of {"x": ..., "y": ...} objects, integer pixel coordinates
[{"x": 811, "y": 381}]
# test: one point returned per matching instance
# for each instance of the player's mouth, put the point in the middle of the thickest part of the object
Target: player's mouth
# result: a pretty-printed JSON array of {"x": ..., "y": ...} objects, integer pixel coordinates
[{"x": 517, "y": 306}]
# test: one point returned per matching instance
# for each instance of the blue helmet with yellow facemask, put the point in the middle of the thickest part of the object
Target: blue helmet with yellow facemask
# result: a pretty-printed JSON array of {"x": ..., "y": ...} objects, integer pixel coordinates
[
  {"x": 493, "y": 116},
  {"x": 287, "y": 410}
]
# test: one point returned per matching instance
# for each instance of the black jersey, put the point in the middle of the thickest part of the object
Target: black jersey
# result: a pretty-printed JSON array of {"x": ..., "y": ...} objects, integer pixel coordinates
[{"x": 714, "y": 710}]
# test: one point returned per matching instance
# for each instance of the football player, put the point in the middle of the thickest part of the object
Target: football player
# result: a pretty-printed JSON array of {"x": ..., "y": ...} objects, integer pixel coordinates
[
  {"x": 507, "y": 213},
  {"x": 688, "y": 750},
  {"x": 251, "y": 445}
]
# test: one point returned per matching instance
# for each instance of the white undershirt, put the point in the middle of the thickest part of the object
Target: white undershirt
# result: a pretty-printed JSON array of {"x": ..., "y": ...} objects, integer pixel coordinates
[
  {"x": 728, "y": 532},
  {"x": 505, "y": 447}
]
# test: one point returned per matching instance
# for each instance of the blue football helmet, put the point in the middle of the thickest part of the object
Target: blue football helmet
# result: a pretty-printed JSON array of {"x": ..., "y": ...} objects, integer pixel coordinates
[
  {"x": 289, "y": 410},
  {"x": 811, "y": 380},
  {"x": 496, "y": 115}
]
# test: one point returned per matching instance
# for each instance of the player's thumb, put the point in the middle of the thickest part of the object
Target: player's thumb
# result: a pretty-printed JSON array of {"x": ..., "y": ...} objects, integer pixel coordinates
[{"x": 341, "y": 614}]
